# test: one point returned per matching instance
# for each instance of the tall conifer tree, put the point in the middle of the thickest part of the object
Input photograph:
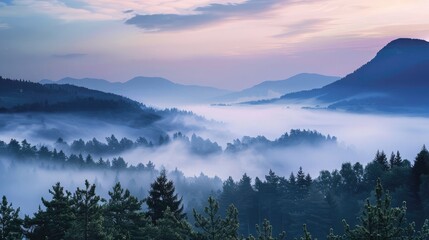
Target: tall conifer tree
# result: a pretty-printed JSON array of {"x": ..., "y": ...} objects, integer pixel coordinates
[
  {"x": 162, "y": 195},
  {"x": 10, "y": 223}
]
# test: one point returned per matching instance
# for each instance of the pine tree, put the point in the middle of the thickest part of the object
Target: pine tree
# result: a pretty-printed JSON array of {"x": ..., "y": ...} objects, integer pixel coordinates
[
  {"x": 27, "y": 150},
  {"x": 229, "y": 193},
  {"x": 123, "y": 215},
  {"x": 168, "y": 227},
  {"x": 266, "y": 232},
  {"x": 212, "y": 226},
  {"x": 303, "y": 183},
  {"x": 14, "y": 148},
  {"x": 89, "y": 161},
  {"x": 395, "y": 160},
  {"x": 58, "y": 212},
  {"x": 307, "y": 235},
  {"x": 332, "y": 236},
  {"x": 55, "y": 220},
  {"x": 162, "y": 195},
  {"x": 420, "y": 167},
  {"x": 381, "y": 221},
  {"x": 246, "y": 203},
  {"x": 88, "y": 212},
  {"x": 10, "y": 223},
  {"x": 381, "y": 158}
]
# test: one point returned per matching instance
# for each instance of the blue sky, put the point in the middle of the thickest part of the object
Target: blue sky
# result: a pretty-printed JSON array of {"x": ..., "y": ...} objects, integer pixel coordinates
[{"x": 229, "y": 44}]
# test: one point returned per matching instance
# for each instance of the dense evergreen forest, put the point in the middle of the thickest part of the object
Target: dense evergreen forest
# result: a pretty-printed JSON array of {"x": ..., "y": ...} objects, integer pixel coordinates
[{"x": 338, "y": 204}]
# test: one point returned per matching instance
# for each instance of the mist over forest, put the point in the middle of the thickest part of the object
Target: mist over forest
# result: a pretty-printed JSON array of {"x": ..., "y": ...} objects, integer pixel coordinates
[{"x": 345, "y": 160}]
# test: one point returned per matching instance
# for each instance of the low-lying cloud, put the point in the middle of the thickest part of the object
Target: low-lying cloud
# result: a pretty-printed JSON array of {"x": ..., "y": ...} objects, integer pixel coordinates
[
  {"x": 359, "y": 137},
  {"x": 364, "y": 133}
]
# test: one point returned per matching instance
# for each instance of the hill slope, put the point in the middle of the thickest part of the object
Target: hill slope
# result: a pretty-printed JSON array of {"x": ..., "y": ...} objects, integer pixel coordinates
[
  {"x": 271, "y": 89},
  {"x": 395, "y": 80},
  {"x": 23, "y": 96}
]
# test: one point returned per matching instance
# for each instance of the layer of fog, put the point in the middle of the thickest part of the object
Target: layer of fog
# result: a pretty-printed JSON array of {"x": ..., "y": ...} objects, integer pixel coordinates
[
  {"x": 39, "y": 128},
  {"x": 359, "y": 137},
  {"x": 363, "y": 133},
  {"x": 255, "y": 163}
]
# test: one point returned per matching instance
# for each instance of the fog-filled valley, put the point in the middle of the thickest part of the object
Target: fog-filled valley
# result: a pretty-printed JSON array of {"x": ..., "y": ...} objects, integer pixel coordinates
[
  {"x": 339, "y": 155},
  {"x": 226, "y": 141}
]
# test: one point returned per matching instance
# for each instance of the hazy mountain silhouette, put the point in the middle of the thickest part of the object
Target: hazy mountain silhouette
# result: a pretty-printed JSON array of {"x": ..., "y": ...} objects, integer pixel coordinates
[
  {"x": 395, "y": 80},
  {"x": 272, "y": 89},
  {"x": 150, "y": 90}
]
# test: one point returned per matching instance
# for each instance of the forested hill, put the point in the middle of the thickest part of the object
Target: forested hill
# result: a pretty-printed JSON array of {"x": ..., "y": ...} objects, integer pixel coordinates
[
  {"x": 395, "y": 80},
  {"x": 18, "y": 96}
]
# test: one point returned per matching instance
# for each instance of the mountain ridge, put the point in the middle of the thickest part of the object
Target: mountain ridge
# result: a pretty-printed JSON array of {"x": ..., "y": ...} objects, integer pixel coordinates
[
  {"x": 150, "y": 90},
  {"x": 393, "y": 80},
  {"x": 276, "y": 88}
]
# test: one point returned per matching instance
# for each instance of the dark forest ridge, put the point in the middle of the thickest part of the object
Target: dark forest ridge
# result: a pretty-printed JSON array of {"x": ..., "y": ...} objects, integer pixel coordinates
[
  {"x": 395, "y": 80},
  {"x": 24, "y": 96}
]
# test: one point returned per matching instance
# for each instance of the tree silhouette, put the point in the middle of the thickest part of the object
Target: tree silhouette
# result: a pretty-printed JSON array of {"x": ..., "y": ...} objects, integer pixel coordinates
[
  {"x": 10, "y": 223},
  {"x": 381, "y": 221},
  {"x": 212, "y": 226},
  {"x": 55, "y": 220},
  {"x": 123, "y": 216},
  {"x": 162, "y": 195},
  {"x": 88, "y": 212}
]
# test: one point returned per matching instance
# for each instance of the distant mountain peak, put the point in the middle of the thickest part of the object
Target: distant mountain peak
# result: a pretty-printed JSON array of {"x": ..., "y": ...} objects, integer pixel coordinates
[
  {"x": 402, "y": 46},
  {"x": 144, "y": 78},
  {"x": 276, "y": 88},
  {"x": 407, "y": 42},
  {"x": 306, "y": 74}
]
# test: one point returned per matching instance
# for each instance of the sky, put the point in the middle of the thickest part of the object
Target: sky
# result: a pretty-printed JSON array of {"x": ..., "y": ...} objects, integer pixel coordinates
[{"x": 230, "y": 44}]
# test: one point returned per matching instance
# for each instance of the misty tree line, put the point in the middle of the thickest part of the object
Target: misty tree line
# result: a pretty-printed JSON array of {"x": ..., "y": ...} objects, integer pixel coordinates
[
  {"x": 81, "y": 152},
  {"x": 24, "y": 152},
  {"x": 320, "y": 203},
  {"x": 293, "y": 138},
  {"x": 197, "y": 145},
  {"x": 18, "y": 155}
]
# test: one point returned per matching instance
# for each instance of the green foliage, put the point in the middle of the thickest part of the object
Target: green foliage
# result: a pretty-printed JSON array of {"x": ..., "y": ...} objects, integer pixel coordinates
[
  {"x": 162, "y": 196},
  {"x": 88, "y": 212},
  {"x": 287, "y": 202},
  {"x": 307, "y": 235},
  {"x": 420, "y": 167},
  {"x": 168, "y": 227},
  {"x": 381, "y": 221},
  {"x": 10, "y": 223},
  {"x": 212, "y": 226},
  {"x": 55, "y": 220},
  {"x": 123, "y": 216},
  {"x": 266, "y": 232}
]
